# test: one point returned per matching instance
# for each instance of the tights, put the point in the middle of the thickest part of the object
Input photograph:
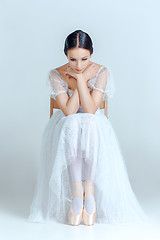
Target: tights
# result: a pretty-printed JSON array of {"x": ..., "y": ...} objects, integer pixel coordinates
[
  {"x": 85, "y": 137},
  {"x": 75, "y": 169}
]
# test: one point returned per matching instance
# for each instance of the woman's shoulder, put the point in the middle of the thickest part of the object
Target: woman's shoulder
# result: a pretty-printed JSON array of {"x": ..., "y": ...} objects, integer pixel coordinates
[
  {"x": 57, "y": 71},
  {"x": 62, "y": 68},
  {"x": 96, "y": 64},
  {"x": 101, "y": 68}
]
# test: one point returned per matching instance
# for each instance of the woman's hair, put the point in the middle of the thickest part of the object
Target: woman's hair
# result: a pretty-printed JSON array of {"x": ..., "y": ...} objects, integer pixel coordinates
[{"x": 79, "y": 39}]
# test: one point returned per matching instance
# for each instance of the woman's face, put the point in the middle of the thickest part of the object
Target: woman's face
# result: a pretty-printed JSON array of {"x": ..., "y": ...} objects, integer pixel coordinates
[{"x": 78, "y": 58}]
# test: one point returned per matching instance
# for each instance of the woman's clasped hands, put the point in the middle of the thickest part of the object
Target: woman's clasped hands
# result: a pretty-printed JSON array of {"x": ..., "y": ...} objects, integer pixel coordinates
[{"x": 89, "y": 72}]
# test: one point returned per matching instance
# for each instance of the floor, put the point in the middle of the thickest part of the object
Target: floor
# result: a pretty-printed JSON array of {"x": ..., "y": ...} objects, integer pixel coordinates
[{"x": 14, "y": 225}]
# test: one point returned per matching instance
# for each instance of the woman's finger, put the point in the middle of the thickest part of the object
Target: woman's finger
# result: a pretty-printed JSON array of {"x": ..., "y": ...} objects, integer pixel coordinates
[{"x": 66, "y": 74}]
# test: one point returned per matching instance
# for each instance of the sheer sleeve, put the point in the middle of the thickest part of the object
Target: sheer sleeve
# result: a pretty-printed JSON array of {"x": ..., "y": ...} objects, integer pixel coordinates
[
  {"x": 104, "y": 82},
  {"x": 55, "y": 84}
]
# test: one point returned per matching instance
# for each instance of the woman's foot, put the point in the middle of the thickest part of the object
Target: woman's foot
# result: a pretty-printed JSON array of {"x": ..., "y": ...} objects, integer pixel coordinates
[
  {"x": 89, "y": 212},
  {"x": 75, "y": 211}
]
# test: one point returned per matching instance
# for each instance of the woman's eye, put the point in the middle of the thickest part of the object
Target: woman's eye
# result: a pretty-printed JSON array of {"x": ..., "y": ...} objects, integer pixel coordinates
[{"x": 82, "y": 59}]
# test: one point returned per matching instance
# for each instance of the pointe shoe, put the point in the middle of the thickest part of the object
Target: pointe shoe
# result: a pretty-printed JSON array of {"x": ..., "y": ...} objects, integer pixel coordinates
[
  {"x": 88, "y": 219},
  {"x": 75, "y": 219}
]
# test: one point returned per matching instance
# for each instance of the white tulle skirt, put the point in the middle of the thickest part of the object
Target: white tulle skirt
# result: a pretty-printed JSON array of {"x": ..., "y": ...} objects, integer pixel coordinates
[{"x": 92, "y": 137}]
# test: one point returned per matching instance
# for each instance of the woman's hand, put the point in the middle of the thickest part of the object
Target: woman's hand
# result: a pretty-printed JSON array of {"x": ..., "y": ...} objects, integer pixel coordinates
[
  {"x": 72, "y": 78},
  {"x": 70, "y": 73},
  {"x": 90, "y": 71}
]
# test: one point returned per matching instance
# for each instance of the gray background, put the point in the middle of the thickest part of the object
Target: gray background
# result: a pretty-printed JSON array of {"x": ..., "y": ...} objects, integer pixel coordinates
[{"x": 126, "y": 37}]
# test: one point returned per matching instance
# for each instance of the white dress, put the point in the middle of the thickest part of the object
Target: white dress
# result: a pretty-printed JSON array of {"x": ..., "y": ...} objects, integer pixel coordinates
[{"x": 93, "y": 138}]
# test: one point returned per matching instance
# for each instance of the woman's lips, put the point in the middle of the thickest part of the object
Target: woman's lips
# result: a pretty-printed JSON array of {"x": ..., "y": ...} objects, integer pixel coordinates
[{"x": 78, "y": 70}]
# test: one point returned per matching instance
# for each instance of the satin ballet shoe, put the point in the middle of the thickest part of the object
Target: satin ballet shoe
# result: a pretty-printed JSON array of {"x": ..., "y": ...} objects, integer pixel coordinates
[
  {"x": 75, "y": 219},
  {"x": 89, "y": 219}
]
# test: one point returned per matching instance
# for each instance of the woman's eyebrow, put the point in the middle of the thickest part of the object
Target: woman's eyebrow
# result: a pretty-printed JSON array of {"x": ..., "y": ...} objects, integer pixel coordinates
[{"x": 75, "y": 58}]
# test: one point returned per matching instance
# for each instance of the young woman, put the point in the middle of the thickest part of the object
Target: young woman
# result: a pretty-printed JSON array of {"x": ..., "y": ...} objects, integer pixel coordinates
[{"x": 82, "y": 174}]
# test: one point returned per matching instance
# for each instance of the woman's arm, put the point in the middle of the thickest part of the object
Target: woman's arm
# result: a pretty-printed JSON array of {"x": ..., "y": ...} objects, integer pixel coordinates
[
  {"x": 86, "y": 100},
  {"x": 68, "y": 105},
  {"x": 89, "y": 102},
  {"x": 73, "y": 103}
]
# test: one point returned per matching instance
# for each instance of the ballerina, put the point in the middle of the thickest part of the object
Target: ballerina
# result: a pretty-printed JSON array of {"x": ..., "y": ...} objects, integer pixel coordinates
[{"x": 82, "y": 173}]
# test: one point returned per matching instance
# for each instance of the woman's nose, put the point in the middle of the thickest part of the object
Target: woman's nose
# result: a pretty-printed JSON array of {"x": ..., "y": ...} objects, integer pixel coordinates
[{"x": 78, "y": 65}]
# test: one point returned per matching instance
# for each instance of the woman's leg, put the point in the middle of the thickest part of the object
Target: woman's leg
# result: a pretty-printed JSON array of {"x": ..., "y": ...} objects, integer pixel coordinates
[
  {"x": 75, "y": 171},
  {"x": 89, "y": 172},
  {"x": 74, "y": 157},
  {"x": 90, "y": 155}
]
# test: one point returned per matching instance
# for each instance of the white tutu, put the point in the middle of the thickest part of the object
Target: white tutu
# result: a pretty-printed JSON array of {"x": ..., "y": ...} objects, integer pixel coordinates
[{"x": 92, "y": 138}]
